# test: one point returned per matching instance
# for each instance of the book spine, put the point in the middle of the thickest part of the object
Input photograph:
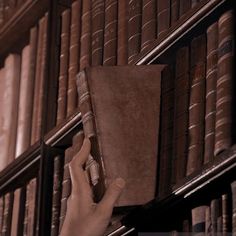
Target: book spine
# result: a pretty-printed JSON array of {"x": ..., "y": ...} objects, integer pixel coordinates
[
  {"x": 64, "y": 65},
  {"x": 194, "y": 3},
  {"x": 174, "y": 11},
  {"x": 134, "y": 28},
  {"x": 226, "y": 208},
  {"x": 2, "y": 203},
  {"x": 74, "y": 56},
  {"x": 1, "y": 12},
  {"x": 233, "y": 190},
  {"x": 199, "y": 220},
  {"x": 110, "y": 32},
  {"x": 215, "y": 214},
  {"x": 184, "y": 6},
  {"x": 208, "y": 222},
  {"x": 98, "y": 10},
  {"x": 211, "y": 75},
  {"x": 224, "y": 96},
  {"x": 163, "y": 17},
  {"x": 86, "y": 30},
  {"x": 149, "y": 23},
  {"x": 197, "y": 104},
  {"x": 122, "y": 41}
]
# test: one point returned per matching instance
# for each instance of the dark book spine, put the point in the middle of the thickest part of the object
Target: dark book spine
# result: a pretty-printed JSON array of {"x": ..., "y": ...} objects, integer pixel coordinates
[
  {"x": 98, "y": 21},
  {"x": 1, "y": 15},
  {"x": 197, "y": 104},
  {"x": 134, "y": 28},
  {"x": 2, "y": 203},
  {"x": 64, "y": 65},
  {"x": 215, "y": 214},
  {"x": 110, "y": 32},
  {"x": 74, "y": 56},
  {"x": 122, "y": 41},
  {"x": 199, "y": 220},
  {"x": 163, "y": 17},
  {"x": 226, "y": 209},
  {"x": 184, "y": 6},
  {"x": 211, "y": 77},
  {"x": 208, "y": 222},
  {"x": 224, "y": 97},
  {"x": 149, "y": 23},
  {"x": 174, "y": 11},
  {"x": 233, "y": 189},
  {"x": 194, "y": 3}
]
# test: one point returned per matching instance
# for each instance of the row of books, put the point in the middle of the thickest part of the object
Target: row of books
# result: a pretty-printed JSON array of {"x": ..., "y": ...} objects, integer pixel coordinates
[{"x": 197, "y": 103}]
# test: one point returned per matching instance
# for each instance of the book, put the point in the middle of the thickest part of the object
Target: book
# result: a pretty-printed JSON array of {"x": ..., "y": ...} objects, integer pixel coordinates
[
  {"x": 215, "y": 206},
  {"x": 1, "y": 12},
  {"x": 163, "y": 17},
  {"x": 64, "y": 66},
  {"x": 174, "y": 11},
  {"x": 2, "y": 202},
  {"x": 149, "y": 23},
  {"x": 233, "y": 190},
  {"x": 184, "y": 6},
  {"x": 199, "y": 220},
  {"x": 211, "y": 77},
  {"x": 123, "y": 143},
  {"x": 226, "y": 210},
  {"x": 224, "y": 95}
]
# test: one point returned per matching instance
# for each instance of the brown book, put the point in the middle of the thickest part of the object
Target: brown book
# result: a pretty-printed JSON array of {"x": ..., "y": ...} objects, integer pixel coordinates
[
  {"x": 115, "y": 124},
  {"x": 194, "y": 3},
  {"x": 1, "y": 14},
  {"x": 149, "y": 23},
  {"x": 197, "y": 104},
  {"x": 134, "y": 28},
  {"x": 86, "y": 30},
  {"x": 233, "y": 190},
  {"x": 2, "y": 203},
  {"x": 98, "y": 10},
  {"x": 64, "y": 65},
  {"x": 184, "y": 7},
  {"x": 122, "y": 40},
  {"x": 174, "y": 11},
  {"x": 224, "y": 97},
  {"x": 226, "y": 209},
  {"x": 163, "y": 17},
  {"x": 199, "y": 220},
  {"x": 56, "y": 198},
  {"x": 74, "y": 56},
  {"x": 110, "y": 33},
  {"x": 215, "y": 214},
  {"x": 211, "y": 77},
  {"x": 208, "y": 222}
]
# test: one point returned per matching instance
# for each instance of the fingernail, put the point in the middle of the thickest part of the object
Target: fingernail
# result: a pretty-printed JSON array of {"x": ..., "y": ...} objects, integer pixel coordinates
[{"x": 120, "y": 182}]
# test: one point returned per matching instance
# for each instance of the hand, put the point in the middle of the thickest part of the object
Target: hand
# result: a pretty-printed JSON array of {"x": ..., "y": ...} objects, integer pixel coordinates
[{"x": 83, "y": 216}]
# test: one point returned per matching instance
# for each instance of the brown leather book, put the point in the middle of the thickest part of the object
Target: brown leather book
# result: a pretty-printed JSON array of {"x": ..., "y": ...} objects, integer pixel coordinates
[
  {"x": 199, "y": 220},
  {"x": 64, "y": 65},
  {"x": 74, "y": 56},
  {"x": 149, "y": 23},
  {"x": 226, "y": 209},
  {"x": 197, "y": 104},
  {"x": 194, "y": 3},
  {"x": 2, "y": 203},
  {"x": 180, "y": 137},
  {"x": 174, "y": 11},
  {"x": 163, "y": 17},
  {"x": 211, "y": 77},
  {"x": 86, "y": 34},
  {"x": 1, "y": 15},
  {"x": 215, "y": 206},
  {"x": 110, "y": 33},
  {"x": 115, "y": 103},
  {"x": 122, "y": 40},
  {"x": 233, "y": 190},
  {"x": 134, "y": 28},
  {"x": 98, "y": 11},
  {"x": 224, "y": 108},
  {"x": 184, "y": 7}
]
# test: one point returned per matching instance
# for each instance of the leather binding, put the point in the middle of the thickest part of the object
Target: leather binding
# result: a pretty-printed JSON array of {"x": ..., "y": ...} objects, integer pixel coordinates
[
  {"x": 197, "y": 104},
  {"x": 226, "y": 209},
  {"x": 1, "y": 15},
  {"x": 184, "y": 6},
  {"x": 149, "y": 23},
  {"x": 199, "y": 220},
  {"x": 122, "y": 41},
  {"x": 75, "y": 29},
  {"x": 134, "y": 28},
  {"x": 215, "y": 206},
  {"x": 115, "y": 103},
  {"x": 163, "y": 17},
  {"x": 2, "y": 202},
  {"x": 194, "y": 3},
  {"x": 211, "y": 77},
  {"x": 98, "y": 22},
  {"x": 64, "y": 66},
  {"x": 233, "y": 190},
  {"x": 208, "y": 221},
  {"x": 224, "y": 97},
  {"x": 174, "y": 11}
]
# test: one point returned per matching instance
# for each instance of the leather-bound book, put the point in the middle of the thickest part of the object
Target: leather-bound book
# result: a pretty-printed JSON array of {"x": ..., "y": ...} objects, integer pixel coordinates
[
  {"x": 64, "y": 65},
  {"x": 116, "y": 102},
  {"x": 134, "y": 28},
  {"x": 233, "y": 189},
  {"x": 163, "y": 17},
  {"x": 166, "y": 131},
  {"x": 184, "y": 7},
  {"x": 149, "y": 23},
  {"x": 74, "y": 56},
  {"x": 86, "y": 35},
  {"x": 1, "y": 14},
  {"x": 110, "y": 33},
  {"x": 56, "y": 198},
  {"x": 2, "y": 202},
  {"x": 226, "y": 210},
  {"x": 197, "y": 104},
  {"x": 122, "y": 41},
  {"x": 174, "y": 11},
  {"x": 215, "y": 206},
  {"x": 180, "y": 137},
  {"x": 199, "y": 220},
  {"x": 208, "y": 222},
  {"x": 224, "y": 97},
  {"x": 98, "y": 21},
  {"x": 211, "y": 78}
]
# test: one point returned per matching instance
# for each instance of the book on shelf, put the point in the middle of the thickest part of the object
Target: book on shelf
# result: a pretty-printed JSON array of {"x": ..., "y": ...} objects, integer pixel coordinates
[
  {"x": 2, "y": 202},
  {"x": 115, "y": 103},
  {"x": 163, "y": 17}
]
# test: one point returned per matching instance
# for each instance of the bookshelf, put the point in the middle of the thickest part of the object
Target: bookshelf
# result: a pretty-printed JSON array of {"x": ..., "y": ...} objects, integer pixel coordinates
[{"x": 164, "y": 213}]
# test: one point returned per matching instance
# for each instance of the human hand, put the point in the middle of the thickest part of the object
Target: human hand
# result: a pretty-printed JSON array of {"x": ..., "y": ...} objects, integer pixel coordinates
[{"x": 83, "y": 216}]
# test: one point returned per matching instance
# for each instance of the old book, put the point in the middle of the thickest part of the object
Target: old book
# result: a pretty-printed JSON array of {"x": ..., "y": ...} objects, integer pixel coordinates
[
  {"x": 226, "y": 210},
  {"x": 64, "y": 65},
  {"x": 174, "y": 11},
  {"x": 110, "y": 33},
  {"x": 208, "y": 222},
  {"x": 115, "y": 103},
  {"x": 2, "y": 203},
  {"x": 233, "y": 190},
  {"x": 211, "y": 77},
  {"x": 199, "y": 220},
  {"x": 74, "y": 56},
  {"x": 149, "y": 23},
  {"x": 224, "y": 97},
  {"x": 98, "y": 11},
  {"x": 122, "y": 40},
  {"x": 184, "y": 6},
  {"x": 86, "y": 35},
  {"x": 163, "y": 17},
  {"x": 1, "y": 12},
  {"x": 215, "y": 206},
  {"x": 197, "y": 104},
  {"x": 134, "y": 28}
]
